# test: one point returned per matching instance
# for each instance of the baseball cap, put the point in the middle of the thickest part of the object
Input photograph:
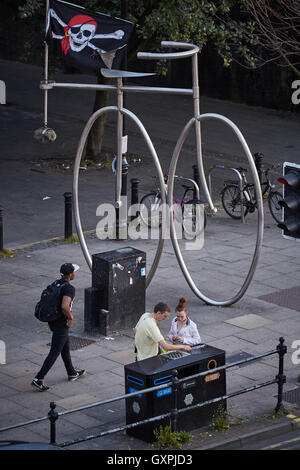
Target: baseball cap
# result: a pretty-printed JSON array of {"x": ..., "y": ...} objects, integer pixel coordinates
[{"x": 68, "y": 268}]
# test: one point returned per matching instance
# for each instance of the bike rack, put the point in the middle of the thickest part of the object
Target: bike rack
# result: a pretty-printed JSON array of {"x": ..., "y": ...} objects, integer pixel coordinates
[
  {"x": 197, "y": 189},
  {"x": 216, "y": 167},
  {"x": 193, "y": 182}
]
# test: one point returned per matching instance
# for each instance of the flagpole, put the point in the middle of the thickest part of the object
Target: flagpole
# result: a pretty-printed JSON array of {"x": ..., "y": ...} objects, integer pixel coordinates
[
  {"x": 120, "y": 134},
  {"x": 46, "y": 71},
  {"x": 124, "y": 16}
]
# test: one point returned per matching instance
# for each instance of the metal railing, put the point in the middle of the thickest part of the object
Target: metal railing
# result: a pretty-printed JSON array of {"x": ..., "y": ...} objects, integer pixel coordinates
[{"x": 53, "y": 415}]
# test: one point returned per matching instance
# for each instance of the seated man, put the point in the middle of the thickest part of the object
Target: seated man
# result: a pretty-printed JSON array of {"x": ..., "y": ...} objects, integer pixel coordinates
[{"x": 148, "y": 336}]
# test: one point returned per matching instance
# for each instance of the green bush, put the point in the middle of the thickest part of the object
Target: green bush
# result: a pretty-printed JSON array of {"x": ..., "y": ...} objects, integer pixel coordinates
[
  {"x": 168, "y": 439},
  {"x": 220, "y": 419}
]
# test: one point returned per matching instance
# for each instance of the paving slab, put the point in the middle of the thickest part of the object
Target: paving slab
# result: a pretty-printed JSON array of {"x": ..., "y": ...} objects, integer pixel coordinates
[
  {"x": 230, "y": 344},
  {"x": 96, "y": 382},
  {"x": 248, "y": 321},
  {"x": 126, "y": 356},
  {"x": 76, "y": 401},
  {"x": 288, "y": 326},
  {"x": 257, "y": 335},
  {"x": 282, "y": 282}
]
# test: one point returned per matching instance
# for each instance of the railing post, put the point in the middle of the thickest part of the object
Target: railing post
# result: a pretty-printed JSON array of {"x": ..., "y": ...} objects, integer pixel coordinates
[
  {"x": 174, "y": 409},
  {"x": 68, "y": 215},
  {"x": 53, "y": 415},
  {"x": 281, "y": 378}
]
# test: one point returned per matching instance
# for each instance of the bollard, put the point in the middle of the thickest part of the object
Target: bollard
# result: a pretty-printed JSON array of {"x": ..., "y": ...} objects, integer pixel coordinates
[
  {"x": 196, "y": 178},
  {"x": 281, "y": 378},
  {"x": 68, "y": 215},
  {"x": 134, "y": 194},
  {"x": 2, "y": 92},
  {"x": 1, "y": 229},
  {"x": 258, "y": 157},
  {"x": 53, "y": 415},
  {"x": 174, "y": 411},
  {"x": 124, "y": 177}
]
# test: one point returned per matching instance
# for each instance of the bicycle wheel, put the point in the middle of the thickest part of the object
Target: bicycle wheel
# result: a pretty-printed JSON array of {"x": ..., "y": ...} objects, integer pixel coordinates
[
  {"x": 150, "y": 210},
  {"x": 275, "y": 209},
  {"x": 231, "y": 201}
]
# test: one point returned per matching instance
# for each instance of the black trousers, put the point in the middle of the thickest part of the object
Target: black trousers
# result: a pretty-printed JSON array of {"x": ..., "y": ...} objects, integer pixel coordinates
[{"x": 60, "y": 344}]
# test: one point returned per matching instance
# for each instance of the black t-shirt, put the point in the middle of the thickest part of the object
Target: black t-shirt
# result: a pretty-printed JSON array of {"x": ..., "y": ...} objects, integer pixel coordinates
[{"x": 66, "y": 290}]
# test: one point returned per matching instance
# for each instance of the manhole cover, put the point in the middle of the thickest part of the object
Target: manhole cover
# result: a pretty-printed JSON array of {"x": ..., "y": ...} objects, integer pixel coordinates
[
  {"x": 288, "y": 298},
  {"x": 292, "y": 396},
  {"x": 78, "y": 343}
]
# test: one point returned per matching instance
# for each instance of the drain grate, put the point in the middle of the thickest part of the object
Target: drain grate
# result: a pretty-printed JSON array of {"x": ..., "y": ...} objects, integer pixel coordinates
[
  {"x": 288, "y": 298},
  {"x": 292, "y": 396},
  {"x": 78, "y": 343}
]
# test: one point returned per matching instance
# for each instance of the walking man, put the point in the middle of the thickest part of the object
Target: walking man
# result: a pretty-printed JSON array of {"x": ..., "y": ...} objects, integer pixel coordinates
[
  {"x": 60, "y": 330},
  {"x": 148, "y": 336}
]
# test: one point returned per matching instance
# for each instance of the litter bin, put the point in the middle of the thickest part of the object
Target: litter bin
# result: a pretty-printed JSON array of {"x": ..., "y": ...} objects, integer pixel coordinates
[{"x": 158, "y": 370}]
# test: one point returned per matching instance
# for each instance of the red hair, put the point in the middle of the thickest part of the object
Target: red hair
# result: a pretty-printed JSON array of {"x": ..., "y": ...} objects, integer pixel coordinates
[{"x": 181, "y": 305}]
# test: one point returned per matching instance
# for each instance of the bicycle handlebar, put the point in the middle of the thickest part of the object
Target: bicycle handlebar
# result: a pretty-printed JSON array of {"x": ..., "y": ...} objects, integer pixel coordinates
[
  {"x": 191, "y": 49},
  {"x": 270, "y": 168}
]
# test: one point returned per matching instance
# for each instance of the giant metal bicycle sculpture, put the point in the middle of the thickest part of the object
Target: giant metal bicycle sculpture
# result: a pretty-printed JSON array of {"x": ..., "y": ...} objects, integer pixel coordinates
[{"x": 186, "y": 50}]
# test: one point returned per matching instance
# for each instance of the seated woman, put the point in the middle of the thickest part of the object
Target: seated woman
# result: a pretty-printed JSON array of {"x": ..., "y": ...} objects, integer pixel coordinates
[{"x": 183, "y": 330}]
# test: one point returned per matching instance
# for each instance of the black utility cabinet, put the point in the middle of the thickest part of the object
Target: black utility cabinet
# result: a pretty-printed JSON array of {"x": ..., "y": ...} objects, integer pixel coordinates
[{"x": 117, "y": 297}]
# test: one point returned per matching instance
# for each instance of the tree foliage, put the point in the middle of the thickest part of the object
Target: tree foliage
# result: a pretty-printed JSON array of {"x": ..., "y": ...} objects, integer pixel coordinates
[
  {"x": 277, "y": 27},
  {"x": 222, "y": 23}
]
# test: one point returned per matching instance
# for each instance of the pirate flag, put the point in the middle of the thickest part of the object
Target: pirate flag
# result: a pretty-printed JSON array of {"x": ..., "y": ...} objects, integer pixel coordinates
[{"x": 85, "y": 40}]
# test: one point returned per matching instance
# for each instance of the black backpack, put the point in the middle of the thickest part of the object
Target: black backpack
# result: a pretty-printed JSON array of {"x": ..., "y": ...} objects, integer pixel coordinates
[{"x": 49, "y": 307}]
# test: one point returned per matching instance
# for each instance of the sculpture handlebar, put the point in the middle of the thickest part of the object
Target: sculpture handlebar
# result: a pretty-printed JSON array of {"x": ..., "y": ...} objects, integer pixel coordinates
[{"x": 190, "y": 49}]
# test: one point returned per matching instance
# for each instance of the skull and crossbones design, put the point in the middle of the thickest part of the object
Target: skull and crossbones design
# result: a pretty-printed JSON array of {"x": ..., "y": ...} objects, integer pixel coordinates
[{"x": 79, "y": 33}]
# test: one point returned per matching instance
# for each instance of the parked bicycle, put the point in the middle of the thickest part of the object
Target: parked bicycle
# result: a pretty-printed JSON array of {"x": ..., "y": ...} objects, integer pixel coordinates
[
  {"x": 231, "y": 196},
  {"x": 186, "y": 210}
]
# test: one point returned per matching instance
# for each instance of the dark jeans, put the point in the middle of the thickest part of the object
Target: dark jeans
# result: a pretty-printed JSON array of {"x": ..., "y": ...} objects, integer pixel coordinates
[{"x": 60, "y": 345}]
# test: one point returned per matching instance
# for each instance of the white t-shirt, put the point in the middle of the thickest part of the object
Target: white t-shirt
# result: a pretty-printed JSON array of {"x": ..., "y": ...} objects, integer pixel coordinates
[{"x": 147, "y": 337}]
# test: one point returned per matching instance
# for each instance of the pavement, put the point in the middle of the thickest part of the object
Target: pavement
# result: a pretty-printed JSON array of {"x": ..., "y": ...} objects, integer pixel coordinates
[{"x": 33, "y": 227}]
